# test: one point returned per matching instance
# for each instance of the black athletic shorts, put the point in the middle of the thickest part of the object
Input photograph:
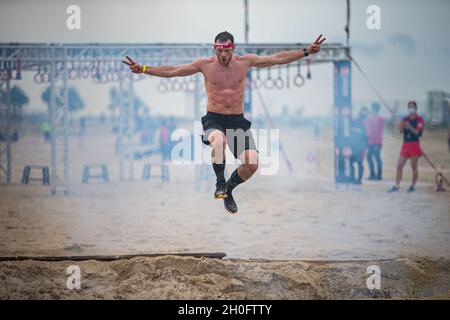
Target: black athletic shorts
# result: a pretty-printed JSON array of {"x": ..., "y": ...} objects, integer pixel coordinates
[{"x": 235, "y": 127}]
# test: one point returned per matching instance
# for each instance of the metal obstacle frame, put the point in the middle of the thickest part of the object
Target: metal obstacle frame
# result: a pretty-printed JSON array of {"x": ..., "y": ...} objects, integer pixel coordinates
[{"x": 100, "y": 61}]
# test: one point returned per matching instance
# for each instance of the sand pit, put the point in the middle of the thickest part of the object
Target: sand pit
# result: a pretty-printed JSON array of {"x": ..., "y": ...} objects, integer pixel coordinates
[
  {"x": 170, "y": 277},
  {"x": 283, "y": 219}
]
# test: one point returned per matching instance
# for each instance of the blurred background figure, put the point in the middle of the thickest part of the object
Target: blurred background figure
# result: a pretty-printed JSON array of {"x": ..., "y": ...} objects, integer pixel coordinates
[
  {"x": 146, "y": 129},
  {"x": 412, "y": 128},
  {"x": 82, "y": 130},
  {"x": 316, "y": 130},
  {"x": 375, "y": 126},
  {"x": 358, "y": 143},
  {"x": 46, "y": 131},
  {"x": 164, "y": 140},
  {"x": 448, "y": 141}
]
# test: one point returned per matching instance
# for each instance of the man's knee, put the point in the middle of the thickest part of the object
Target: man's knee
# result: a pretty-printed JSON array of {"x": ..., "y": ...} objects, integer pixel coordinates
[
  {"x": 217, "y": 139},
  {"x": 251, "y": 161},
  {"x": 249, "y": 157}
]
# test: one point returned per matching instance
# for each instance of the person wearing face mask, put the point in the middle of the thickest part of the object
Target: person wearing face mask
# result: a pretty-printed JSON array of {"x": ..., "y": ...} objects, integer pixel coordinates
[
  {"x": 358, "y": 143},
  {"x": 412, "y": 128}
]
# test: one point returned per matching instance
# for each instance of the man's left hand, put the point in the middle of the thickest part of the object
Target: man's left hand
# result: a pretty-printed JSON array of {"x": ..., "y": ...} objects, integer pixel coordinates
[{"x": 315, "y": 47}]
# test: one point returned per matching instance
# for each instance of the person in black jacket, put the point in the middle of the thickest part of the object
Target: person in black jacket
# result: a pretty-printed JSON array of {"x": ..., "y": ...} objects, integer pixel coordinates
[{"x": 358, "y": 144}]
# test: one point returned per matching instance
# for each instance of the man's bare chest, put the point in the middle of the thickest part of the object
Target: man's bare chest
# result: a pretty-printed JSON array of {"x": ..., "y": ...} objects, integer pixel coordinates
[{"x": 222, "y": 78}]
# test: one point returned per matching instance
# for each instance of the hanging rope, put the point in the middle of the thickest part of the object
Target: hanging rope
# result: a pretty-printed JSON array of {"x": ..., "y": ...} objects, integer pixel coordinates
[
  {"x": 439, "y": 176},
  {"x": 269, "y": 119},
  {"x": 392, "y": 112}
]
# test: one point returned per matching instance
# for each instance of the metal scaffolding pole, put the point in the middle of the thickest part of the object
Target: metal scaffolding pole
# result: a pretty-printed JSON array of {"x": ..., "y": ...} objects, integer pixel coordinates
[
  {"x": 246, "y": 23},
  {"x": 248, "y": 88},
  {"x": 53, "y": 125},
  {"x": 120, "y": 136},
  {"x": 131, "y": 115},
  {"x": 8, "y": 129},
  {"x": 65, "y": 124},
  {"x": 197, "y": 97},
  {"x": 31, "y": 54},
  {"x": 125, "y": 141},
  {"x": 58, "y": 114}
]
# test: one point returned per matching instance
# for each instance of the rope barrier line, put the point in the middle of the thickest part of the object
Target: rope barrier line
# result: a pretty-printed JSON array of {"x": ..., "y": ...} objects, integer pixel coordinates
[
  {"x": 269, "y": 119},
  {"x": 373, "y": 87},
  {"x": 439, "y": 175}
]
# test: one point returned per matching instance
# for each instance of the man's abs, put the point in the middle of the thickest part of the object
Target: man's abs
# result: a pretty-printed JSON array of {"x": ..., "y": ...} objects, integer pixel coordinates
[{"x": 226, "y": 101}]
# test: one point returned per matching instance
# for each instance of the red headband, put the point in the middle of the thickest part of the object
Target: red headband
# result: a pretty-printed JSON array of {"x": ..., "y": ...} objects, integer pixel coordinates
[{"x": 223, "y": 46}]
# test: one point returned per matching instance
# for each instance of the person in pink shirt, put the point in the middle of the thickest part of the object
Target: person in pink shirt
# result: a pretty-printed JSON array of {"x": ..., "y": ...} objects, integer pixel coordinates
[{"x": 375, "y": 125}]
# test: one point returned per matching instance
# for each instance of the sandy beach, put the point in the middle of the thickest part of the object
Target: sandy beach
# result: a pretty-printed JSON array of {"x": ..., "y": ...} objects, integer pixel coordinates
[
  {"x": 170, "y": 277},
  {"x": 285, "y": 221}
]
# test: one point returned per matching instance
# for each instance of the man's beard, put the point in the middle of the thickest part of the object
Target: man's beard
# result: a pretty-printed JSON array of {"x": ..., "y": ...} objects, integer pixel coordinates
[{"x": 225, "y": 62}]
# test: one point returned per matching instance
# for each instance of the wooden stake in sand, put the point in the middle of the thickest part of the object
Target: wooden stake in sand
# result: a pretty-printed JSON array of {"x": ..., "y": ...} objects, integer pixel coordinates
[{"x": 213, "y": 255}]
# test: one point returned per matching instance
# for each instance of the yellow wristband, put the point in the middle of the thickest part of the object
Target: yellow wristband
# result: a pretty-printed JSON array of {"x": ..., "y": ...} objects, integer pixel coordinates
[{"x": 144, "y": 67}]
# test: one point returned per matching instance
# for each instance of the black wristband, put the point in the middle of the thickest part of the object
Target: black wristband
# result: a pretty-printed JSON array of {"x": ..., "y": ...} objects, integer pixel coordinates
[{"x": 305, "y": 53}]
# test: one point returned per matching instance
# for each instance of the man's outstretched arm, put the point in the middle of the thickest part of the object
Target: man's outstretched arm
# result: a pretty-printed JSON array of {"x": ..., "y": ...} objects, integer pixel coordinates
[
  {"x": 165, "y": 71},
  {"x": 284, "y": 57}
]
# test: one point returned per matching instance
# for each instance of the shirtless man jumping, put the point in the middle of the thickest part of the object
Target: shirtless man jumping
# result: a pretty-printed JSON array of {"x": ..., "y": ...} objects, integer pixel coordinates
[{"x": 224, "y": 123}]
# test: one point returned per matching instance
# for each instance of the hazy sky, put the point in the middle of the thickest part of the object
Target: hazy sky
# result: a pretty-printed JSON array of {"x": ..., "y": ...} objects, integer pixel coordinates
[{"x": 409, "y": 55}]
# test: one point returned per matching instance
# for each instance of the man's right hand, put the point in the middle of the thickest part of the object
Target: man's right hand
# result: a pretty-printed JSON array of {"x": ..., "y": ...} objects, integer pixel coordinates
[{"x": 134, "y": 67}]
